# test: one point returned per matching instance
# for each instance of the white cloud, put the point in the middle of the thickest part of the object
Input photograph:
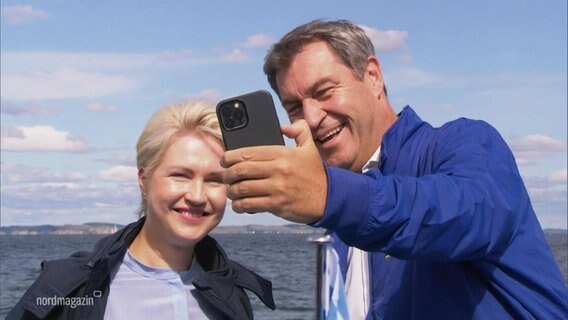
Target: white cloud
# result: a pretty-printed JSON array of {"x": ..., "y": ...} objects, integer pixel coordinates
[
  {"x": 97, "y": 107},
  {"x": 11, "y": 132},
  {"x": 15, "y": 174},
  {"x": 259, "y": 40},
  {"x": 405, "y": 58},
  {"x": 73, "y": 215},
  {"x": 61, "y": 75},
  {"x": 539, "y": 184},
  {"x": 117, "y": 159},
  {"x": 29, "y": 109},
  {"x": 59, "y": 197},
  {"x": 549, "y": 198},
  {"x": 514, "y": 85},
  {"x": 235, "y": 56},
  {"x": 538, "y": 143},
  {"x": 127, "y": 174},
  {"x": 388, "y": 40},
  {"x": 531, "y": 147},
  {"x": 40, "y": 139},
  {"x": 175, "y": 56},
  {"x": 407, "y": 77},
  {"x": 559, "y": 177},
  {"x": 29, "y": 61},
  {"x": 70, "y": 197},
  {"x": 62, "y": 83},
  {"x": 550, "y": 205},
  {"x": 210, "y": 95},
  {"x": 20, "y": 14}
]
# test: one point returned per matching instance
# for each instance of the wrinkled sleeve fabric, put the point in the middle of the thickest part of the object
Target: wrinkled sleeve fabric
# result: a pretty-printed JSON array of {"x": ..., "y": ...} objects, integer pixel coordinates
[{"x": 461, "y": 197}]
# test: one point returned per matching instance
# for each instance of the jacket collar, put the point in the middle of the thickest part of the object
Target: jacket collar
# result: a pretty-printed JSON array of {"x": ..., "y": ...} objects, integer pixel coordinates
[
  {"x": 108, "y": 253},
  {"x": 59, "y": 278},
  {"x": 396, "y": 136},
  {"x": 222, "y": 273},
  {"x": 115, "y": 245},
  {"x": 70, "y": 274}
]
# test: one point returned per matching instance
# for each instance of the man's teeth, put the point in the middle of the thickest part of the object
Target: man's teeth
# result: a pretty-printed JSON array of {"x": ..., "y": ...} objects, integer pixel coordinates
[{"x": 331, "y": 133}]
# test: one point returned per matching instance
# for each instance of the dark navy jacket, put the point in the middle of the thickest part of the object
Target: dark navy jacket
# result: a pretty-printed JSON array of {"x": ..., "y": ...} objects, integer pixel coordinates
[
  {"x": 87, "y": 274},
  {"x": 448, "y": 225}
]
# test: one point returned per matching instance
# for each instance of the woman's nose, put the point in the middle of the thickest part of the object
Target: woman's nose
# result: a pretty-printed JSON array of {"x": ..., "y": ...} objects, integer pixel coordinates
[{"x": 195, "y": 193}]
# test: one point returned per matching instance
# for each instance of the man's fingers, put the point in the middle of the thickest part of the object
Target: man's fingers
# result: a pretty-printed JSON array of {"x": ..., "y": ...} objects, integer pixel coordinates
[
  {"x": 300, "y": 132},
  {"x": 248, "y": 189},
  {"x": 248, "y": 171},
  {"x": 251, "y": 205},
  {"x": 259, "y": 153}
]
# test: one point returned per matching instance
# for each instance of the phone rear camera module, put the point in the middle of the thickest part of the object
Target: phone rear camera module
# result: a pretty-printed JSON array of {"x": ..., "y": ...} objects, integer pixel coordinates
[{"x": 233, "y": 115}]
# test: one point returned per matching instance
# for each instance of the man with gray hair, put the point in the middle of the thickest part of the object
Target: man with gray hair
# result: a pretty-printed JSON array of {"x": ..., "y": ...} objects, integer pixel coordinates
[{"x": 430, "y": 223}]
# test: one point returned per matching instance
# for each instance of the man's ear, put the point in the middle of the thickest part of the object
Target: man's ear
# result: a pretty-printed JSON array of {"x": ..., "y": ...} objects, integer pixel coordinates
[{"x": 374, "y": 75}]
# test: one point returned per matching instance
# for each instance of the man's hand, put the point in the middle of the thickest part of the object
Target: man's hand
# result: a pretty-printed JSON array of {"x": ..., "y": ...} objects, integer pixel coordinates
[{"x": 288, "y": 182}]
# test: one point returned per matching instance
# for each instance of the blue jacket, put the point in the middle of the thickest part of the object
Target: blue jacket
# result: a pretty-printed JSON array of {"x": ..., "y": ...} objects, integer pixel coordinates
[{"x": 448, "y": 225}]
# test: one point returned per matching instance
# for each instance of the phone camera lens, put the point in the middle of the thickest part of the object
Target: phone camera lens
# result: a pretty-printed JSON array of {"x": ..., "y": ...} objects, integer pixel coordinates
[
  {"x": 226, "y": 111},
  {"x": 233, "y": 115}
]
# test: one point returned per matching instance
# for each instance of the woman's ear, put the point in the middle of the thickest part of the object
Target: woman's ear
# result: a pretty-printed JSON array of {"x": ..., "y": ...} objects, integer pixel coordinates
[{"x": 142, "y": 181}]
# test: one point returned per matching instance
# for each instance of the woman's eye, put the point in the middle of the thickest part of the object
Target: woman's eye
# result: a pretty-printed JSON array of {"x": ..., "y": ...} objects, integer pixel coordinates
[{"x": 216, "y": 182}]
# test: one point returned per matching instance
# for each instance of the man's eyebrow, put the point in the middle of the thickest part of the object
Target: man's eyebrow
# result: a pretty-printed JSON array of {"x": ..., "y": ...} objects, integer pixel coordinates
[
  {"x": 311, "y": 89},
  {"x": 287, "y": 102},
  {"x": 318, "y": 84}
]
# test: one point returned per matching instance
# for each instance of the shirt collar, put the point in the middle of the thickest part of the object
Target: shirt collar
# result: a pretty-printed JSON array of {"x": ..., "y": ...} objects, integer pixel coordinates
[
  {"x": 162, "y": 273},
  {"x": 373, "y": 162}
]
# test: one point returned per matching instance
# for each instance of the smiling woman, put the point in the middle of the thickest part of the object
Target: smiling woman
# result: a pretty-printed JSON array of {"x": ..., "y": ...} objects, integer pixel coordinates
[{"x": 164, "y": 265}]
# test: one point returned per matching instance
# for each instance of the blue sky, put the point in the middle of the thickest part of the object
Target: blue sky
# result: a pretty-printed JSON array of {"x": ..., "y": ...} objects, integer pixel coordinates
[{"x": 79, "y": 79}]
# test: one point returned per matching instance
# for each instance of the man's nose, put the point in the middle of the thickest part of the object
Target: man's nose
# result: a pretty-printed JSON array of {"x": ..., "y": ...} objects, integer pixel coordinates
[{"x": 313, "y": 112}]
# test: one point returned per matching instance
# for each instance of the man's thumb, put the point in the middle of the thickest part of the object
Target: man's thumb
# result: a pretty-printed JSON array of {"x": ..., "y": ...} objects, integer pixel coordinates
[{"x": 300, "y": 132}]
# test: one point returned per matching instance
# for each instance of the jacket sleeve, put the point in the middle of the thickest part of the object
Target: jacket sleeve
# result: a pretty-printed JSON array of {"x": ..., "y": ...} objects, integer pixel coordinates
[
  {"x": 19, "y": 311},
  {"x": 464, "y": 204},
  {"x": 57, "y": 278}
]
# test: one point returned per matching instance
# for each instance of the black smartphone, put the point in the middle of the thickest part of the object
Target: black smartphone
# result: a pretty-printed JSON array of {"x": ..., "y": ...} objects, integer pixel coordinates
[{"x": 249, "y": 120}]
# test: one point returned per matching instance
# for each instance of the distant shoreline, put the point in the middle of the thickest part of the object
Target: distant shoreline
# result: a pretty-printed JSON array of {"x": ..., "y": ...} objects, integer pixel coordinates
[{"x": 97, "y": 228}]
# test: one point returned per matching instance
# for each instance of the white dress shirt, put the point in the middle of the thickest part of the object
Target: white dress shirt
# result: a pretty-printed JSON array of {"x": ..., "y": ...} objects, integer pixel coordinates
[{"x": 357, "y": 280}]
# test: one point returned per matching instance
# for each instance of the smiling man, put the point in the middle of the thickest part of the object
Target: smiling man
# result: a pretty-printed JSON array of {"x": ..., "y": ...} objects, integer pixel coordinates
[
  {"x": 430, "y": 223},
  {"x": 342, "y": 111}
]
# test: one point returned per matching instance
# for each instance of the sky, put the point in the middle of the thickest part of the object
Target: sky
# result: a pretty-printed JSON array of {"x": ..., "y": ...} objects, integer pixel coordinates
[{"x": 79, "y": 80}]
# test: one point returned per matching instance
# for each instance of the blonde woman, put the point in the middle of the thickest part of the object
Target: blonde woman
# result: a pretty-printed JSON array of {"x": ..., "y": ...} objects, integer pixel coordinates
[{"x": 164, "y": 266}]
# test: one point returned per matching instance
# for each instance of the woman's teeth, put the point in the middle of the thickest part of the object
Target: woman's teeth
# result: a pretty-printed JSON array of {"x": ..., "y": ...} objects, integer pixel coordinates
[{"x": 191, "y": 213}]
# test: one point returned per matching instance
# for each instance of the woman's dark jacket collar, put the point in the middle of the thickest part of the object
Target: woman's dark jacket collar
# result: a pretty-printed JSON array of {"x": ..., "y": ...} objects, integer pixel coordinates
[{"x": 86, "y": 274}]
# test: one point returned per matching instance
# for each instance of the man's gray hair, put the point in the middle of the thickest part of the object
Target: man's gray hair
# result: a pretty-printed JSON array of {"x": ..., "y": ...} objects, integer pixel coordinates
[{"x": 347, "y": 40}]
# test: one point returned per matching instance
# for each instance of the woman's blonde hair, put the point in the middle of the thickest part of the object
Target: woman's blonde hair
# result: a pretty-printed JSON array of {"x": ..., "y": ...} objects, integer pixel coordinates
[{"x": 168, "y": 123}]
